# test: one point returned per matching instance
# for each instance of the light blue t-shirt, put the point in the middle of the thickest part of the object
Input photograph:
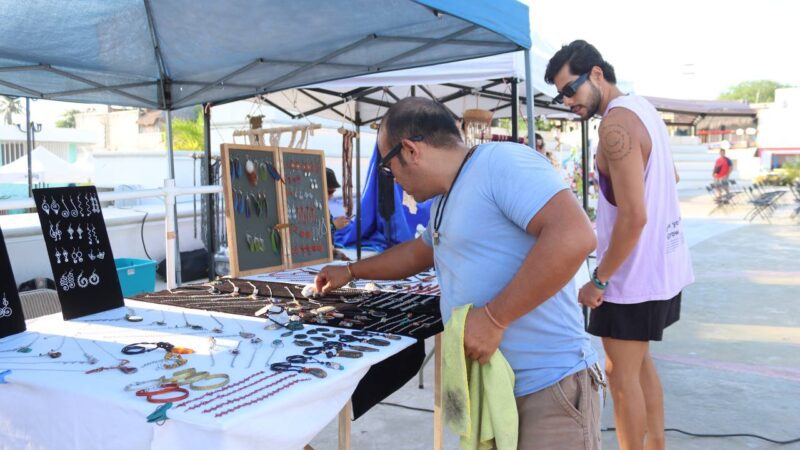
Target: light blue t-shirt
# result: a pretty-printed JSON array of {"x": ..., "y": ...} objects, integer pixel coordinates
[{"x": 482, "y": 244}]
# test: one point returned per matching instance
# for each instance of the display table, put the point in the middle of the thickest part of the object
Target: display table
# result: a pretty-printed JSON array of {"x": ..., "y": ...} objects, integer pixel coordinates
[{"x": 51, "y": 403}]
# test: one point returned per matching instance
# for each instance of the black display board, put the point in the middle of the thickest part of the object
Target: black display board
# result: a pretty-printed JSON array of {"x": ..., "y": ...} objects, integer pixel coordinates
[
  {"x": 12, "y": 319},
  {"x": 79, "y": 250},
  {"x": 253, "y": 209},
  {"x": 307, "y": 207}
]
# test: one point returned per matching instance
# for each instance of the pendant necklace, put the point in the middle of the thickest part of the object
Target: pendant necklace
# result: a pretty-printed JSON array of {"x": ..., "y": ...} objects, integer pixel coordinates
[{"x": 437, "y": 218}]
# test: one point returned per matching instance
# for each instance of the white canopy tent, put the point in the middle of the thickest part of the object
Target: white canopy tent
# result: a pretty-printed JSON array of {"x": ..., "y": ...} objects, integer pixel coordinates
[
  {"x": 45, "y": 168},
  {"x": 489, "y": 83}
]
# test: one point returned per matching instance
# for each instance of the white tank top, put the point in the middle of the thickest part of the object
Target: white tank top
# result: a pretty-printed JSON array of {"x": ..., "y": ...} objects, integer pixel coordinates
[{"x": 660, "y": 265}]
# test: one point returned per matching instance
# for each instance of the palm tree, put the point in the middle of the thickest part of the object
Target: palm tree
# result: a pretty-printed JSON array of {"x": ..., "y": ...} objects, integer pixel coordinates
[{"x": 8, "y": 107}]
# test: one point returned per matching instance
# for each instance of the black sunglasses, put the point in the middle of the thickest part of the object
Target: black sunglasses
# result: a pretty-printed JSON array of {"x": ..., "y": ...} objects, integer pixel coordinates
[
  {"x": 383, "y": 165},
  {"x": 571, "y": 88}
]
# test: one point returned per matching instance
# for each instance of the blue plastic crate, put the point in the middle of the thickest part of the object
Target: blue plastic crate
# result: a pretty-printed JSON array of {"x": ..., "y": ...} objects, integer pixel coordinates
[{"x": 136, "y": 275}]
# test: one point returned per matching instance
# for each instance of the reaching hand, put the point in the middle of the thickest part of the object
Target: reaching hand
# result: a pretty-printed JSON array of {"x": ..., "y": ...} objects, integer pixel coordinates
[
  {"x": 590, "y": 295},
  {"x": 341, "y": 222},
  {"x": 331, "y": 277}
]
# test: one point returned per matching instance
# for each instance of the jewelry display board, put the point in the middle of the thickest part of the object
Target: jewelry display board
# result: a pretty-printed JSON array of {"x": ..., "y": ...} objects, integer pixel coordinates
[
  {"x": 253, "y": 208},
  {"x": 12, "y": 319},
  {"x": 79, "y": 250},
  {"x": 307, "y": 207}
]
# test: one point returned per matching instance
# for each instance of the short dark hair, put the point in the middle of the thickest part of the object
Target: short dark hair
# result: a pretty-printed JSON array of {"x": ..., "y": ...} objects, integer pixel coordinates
[
  {"x": 539, "y": 137},
  {"x": 581, "y": 56},
  {"x": 414, "y": 116}
]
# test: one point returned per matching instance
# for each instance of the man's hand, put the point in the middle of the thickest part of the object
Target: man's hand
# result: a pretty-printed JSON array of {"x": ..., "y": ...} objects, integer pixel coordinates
[
  {"x": 590, "y": 296},
  {"x": 341, "y": 222},
  {"x": 481, "y": 336},
  {"x": 331, "y": 277}
]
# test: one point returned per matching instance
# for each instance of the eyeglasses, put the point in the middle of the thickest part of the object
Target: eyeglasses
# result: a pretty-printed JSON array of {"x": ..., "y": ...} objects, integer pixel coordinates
[
  {"x": 383, "y": 165},
  {"x": 571, "y": 88}
]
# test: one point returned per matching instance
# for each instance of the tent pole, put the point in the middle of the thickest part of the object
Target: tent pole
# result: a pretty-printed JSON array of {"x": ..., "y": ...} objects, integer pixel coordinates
[
  {"x": 585, "y": 164},
  {"x": 529, "y": 99},
  {"x": 210, "y": 244},
  {"x": 358, "y": 183},
  {"x": 29, "y": 139},
  {"x": 514, "y": 110},
  {"x": 172, "y": 247}
]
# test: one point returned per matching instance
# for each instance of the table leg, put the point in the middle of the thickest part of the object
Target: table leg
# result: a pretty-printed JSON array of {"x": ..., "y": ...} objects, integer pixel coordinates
[
  {"x": 344, "y": 426},
  {"x": 437, "y": 392}
]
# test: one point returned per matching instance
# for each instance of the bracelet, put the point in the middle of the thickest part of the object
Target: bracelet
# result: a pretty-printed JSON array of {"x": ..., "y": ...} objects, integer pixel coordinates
[
  {"x": 596, "y": 281},
  {"x": 166, "y": 389},
  {"x": 350, "y": 271},
  {"x": 491, "y": 317},
  {"x": 225, "y": 380}
]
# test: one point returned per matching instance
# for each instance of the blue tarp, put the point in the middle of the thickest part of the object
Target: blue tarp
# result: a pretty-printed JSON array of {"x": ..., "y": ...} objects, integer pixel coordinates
[
  {"x": 373, "y": 227},
  {"x": 177, "y": 53}
]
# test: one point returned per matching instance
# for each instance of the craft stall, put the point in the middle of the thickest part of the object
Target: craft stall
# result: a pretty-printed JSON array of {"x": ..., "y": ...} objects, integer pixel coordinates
[{"x": 208, "y": 364}]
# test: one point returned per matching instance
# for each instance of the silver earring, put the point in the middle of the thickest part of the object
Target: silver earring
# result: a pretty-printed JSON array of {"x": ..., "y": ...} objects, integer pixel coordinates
[
  {"x": 94, "y": 278},
  {"x": 82, "y": 281}
]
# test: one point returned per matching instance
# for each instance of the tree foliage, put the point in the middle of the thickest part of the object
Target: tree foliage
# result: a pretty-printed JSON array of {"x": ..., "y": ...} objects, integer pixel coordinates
[
  {"x": 756, "y": 91},
  {"x": 8, "y": 107},
  {"x": 187, "y": 134},
  {"x": 67, "y": 119}
]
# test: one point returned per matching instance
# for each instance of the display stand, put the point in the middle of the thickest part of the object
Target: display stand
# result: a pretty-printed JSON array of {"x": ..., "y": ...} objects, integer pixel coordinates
[
  {"x": 276, "y": 208},
  {"x": 79, "y": 250},
  {"x": 12, "y": 319}
]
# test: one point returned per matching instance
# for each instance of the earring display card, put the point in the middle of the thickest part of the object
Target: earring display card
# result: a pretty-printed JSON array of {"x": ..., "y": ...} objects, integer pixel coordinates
[
  {"x": 79, "y": 250},
  {"x": 12, "y": 319},
  {"x": 253, "y": 210},
  {"x": 307, "y": 207}
]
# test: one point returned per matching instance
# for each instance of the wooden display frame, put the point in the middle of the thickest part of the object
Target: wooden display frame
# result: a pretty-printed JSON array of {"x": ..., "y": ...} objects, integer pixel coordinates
[
  {"x": 281, "y": 205},
  {"x": 322, "y": 198},
  {"x": 226, "y": 152}
]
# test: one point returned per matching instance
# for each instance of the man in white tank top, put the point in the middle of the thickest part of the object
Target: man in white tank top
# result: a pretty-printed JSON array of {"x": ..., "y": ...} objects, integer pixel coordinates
[{"x": 643, "y": 258}]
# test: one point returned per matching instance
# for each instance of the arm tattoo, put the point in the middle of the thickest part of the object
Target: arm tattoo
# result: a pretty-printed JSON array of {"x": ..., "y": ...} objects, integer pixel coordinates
[{"x": 616, "y": 142}]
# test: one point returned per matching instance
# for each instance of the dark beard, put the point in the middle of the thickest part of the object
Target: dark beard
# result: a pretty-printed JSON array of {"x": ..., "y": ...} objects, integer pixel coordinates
[{"x": 591, "y": 108}]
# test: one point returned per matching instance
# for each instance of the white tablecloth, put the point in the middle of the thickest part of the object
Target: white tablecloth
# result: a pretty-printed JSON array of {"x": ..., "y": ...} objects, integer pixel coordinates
[{"x": 58, "y": 406}]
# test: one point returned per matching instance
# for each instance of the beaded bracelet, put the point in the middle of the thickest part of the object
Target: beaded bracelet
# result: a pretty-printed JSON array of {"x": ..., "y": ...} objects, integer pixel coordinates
[
  {"x": 263, "y": 397},
  {"x": 230, "y": 386},
  {"x": 227, "y": 394},
  {"x": 234, "y": 400}
]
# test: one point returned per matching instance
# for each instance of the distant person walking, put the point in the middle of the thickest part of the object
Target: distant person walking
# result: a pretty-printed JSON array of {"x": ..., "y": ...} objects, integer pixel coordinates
[
  {"x": 722, "y": 170},
  {"x": 643, "y": 259}
]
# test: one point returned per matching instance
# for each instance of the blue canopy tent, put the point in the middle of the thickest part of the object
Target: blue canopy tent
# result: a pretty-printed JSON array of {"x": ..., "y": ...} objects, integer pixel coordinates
[{"x": 173, "y": 54}]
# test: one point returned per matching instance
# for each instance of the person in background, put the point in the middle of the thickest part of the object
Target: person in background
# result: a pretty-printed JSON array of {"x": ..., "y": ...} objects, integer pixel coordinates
[
  {"x": 337, "y": 223},
  {"x": 643, "y": 258},
  {"x": 722, "y": 170},
  {"x": 540, "y": 148}
]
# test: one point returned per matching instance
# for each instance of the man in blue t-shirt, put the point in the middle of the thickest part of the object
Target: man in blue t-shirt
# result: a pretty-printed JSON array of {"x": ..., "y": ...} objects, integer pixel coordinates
[{"x": 507, "y": 236}]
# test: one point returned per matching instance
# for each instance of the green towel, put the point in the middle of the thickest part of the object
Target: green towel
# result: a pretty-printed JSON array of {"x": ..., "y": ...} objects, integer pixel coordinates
[{"x": 478, "y": 400}]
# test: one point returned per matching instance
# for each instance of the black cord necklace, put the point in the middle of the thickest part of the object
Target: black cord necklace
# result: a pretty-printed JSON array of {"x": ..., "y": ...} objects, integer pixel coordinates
[{"x": 437, "y": 218}]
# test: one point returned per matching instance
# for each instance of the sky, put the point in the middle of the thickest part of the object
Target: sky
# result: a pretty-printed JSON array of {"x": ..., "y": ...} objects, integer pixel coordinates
[{"x": 680, "y": 49}]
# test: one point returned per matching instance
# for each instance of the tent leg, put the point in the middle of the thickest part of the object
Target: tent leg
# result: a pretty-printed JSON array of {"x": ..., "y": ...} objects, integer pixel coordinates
[
  {"x": 176, "y": 247},
  {"x": 29, "y": 139},
  {"x": 210, "y": 244},
  {"x": 529, "y": 99},
  {"x": 358, "y": 184},
  {"x": 514, "y": 110},
  {"x": 585, "y": 164}
]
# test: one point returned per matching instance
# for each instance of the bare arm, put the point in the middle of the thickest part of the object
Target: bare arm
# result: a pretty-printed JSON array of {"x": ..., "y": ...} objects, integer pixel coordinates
[
  {"x": 621, "y": 149},
  {"x": 398, "y": 262},
  {"x": 564, "y": 239}
]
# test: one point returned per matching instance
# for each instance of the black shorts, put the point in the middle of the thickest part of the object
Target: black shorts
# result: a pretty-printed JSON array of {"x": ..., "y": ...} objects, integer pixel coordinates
[{"x": 635, "y": 322}]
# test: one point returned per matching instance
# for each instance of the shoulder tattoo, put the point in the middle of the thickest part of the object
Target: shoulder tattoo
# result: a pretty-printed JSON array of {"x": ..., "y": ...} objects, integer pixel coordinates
[{"x": 616, "y": 142}]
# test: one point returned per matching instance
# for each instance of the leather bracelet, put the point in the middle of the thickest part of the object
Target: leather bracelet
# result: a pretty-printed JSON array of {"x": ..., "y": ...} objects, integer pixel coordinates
[
  {"x": 169, "y": 388},
  {"x": 491, "y": 317},
  {"x": 164, "y": 389},
  {"x": 350, "y": 271},
  {"x": 225, "y": 380}
]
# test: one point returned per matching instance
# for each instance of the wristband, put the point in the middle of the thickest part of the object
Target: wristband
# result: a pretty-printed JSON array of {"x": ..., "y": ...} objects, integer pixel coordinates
[
  {"x": 491, "y": 317},
  {"x": 350, "y": 271},
  {"x": 596, "y": 281}
]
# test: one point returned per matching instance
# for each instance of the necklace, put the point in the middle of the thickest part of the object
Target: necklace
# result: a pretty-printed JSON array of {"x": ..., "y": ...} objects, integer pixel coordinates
[
  {"x": 23, "y": 348},
  {"x": 437, "y": 218}
]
